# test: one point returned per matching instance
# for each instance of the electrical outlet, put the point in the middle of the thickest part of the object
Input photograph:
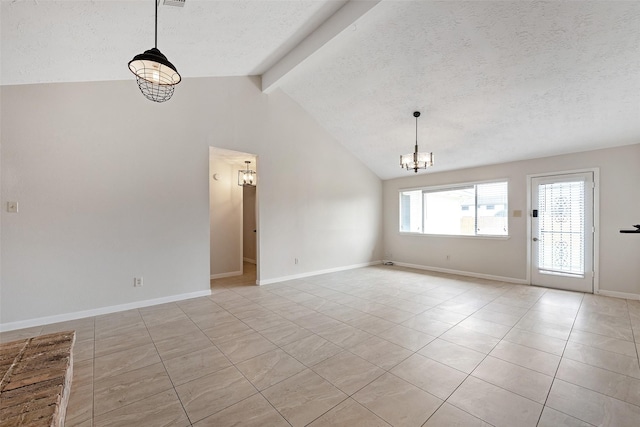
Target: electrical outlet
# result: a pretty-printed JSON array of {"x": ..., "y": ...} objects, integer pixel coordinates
[
  {"x": 138, "y": 282},
  {"x": 295, "y": 260},
  {"x": 448, "y": 257}
]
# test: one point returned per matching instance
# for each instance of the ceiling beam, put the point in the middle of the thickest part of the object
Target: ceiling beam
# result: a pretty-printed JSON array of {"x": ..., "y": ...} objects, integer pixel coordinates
[{"x": 338, "y": 22}]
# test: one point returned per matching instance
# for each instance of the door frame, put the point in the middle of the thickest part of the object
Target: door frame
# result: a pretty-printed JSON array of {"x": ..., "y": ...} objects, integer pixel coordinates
[
  {"x": 596, "y": 221},
  {"x": 219, "y": 152}
]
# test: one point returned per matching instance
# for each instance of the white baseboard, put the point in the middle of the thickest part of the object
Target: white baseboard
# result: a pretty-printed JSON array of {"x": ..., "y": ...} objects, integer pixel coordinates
[
  {"x": 316, "y": 273},
  {"x": 616, "y": 294},
  {"x": 463, "y": 273},
  {"x": 249, "y": 260},
  {"x": 223, "y": 275},
  {"x": 602, "y": 292},
  {"x": 10, "y": 326}
]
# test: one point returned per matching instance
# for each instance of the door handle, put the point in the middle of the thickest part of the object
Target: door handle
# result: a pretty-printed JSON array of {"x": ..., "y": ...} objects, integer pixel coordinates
[{"x": 535, "y": 239}]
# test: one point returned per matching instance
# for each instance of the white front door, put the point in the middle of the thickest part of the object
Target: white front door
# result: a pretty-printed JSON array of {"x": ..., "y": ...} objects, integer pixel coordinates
[{"x": 562, "y": 231}]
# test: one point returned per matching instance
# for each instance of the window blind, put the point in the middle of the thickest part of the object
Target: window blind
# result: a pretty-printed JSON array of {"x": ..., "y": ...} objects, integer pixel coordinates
[{"x": 561, "y": 216}]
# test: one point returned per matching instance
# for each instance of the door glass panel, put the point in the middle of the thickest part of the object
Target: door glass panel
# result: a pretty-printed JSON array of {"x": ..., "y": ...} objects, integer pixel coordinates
[{"x": 561, "y": 233}]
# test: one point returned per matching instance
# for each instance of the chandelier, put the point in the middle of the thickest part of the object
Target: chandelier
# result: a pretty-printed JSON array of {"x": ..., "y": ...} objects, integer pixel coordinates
[
  {"x": 247, "y": 177},
  {"x": 416, "y": 160},
  {"x": 156, "y": 76}
]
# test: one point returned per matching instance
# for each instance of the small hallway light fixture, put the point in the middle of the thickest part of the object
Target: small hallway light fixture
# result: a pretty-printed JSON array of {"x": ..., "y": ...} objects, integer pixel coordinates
[
  {"x": 247, "y": 177},
  {"x": 416, "y": 160},
  {"x": 156, "y": 76}
]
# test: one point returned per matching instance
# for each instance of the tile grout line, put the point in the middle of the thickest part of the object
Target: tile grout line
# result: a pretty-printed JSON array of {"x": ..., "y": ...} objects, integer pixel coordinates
[
  {"x": 633, "y": 332},
  {"x": 513, "y": 327},
  {"x": 165, "y": 367},
  {"x": 560, "y": 362},
  {"x": 470, "y": 374},
  {"x": 284, "y": 379},
  {"x": 439, "y": 337},
  {"x": 258, "y": 355},
  {"x": 347, "y": 349},
  {"x": 415, "y": 352},
  {"x": 226, "y": 357},
  {"x": 349, "y": 396}
]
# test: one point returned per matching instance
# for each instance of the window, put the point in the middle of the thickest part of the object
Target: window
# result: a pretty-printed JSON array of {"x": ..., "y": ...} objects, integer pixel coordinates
[{"x": 466, "y": 210}]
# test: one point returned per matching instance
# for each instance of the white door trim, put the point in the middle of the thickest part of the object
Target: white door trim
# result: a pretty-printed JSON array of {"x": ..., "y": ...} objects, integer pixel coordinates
[{"x": 596, "y": 221}]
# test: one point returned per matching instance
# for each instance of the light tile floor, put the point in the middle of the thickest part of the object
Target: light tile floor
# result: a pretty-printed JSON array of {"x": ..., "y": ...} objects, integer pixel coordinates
[{"x": 375, "y": 346}]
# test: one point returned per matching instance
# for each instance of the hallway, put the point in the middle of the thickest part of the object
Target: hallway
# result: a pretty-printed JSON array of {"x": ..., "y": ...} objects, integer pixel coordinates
[{"x": 248, "y": 278}]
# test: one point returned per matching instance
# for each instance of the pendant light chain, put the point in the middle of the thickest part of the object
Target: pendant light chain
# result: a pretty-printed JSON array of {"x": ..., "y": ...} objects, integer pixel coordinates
[
  {"x": 156, "y": 38},
  {"x": 416, "y": 132}
]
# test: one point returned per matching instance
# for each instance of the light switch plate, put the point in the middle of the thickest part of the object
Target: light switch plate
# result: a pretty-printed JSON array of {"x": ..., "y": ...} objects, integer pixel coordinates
[{"x": 12, "y": 207}]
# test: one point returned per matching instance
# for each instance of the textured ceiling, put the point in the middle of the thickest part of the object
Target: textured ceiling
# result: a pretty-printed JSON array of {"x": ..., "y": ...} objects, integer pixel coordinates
[
  {"x": 233, "y": 157},
  {"x": 93, "y": 40},
  {"x": 495, "y": 81}
]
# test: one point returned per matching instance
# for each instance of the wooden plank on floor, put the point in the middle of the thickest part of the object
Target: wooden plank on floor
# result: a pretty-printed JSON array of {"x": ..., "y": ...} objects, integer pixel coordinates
[{"x": 35, "y": 380}]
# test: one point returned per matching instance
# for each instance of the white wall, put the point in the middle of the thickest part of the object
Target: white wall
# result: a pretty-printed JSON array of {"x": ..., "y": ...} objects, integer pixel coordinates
[
  {"x": 619, "y": 208},
  {"x": 249, "y": 223},
  {"x": 325, "y": 207},
  {"x": 111, "y": 186},
  {"x": 226, "y": 209}
]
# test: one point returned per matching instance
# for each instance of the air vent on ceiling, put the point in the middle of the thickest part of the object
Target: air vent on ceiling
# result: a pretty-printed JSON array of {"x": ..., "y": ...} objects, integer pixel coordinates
[{"x": 179, "y": 3}]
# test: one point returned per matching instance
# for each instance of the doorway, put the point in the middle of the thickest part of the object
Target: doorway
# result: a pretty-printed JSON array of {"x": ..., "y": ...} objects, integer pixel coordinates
[
  {"x": 233, "y": 237},
  {"x": 562, "y": 231}
]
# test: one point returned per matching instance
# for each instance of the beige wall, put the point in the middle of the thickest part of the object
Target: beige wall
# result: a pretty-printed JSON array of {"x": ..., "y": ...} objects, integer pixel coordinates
[
  {"x": 619, "y": 272},
  {"x": 112, "y": 186},
  {"x": 226, "y": 207}
]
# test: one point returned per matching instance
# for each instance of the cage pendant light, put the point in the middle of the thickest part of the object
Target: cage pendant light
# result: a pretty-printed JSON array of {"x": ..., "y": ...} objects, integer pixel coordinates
[
  {"x": 247, "y": 177},
  {"x": 416, "y": 160},
  {"x": 156, "y": 76}
]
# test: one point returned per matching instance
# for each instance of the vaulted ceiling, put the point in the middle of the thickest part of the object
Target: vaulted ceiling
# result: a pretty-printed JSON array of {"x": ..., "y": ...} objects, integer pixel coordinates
[{"x": 495, "y": 81}]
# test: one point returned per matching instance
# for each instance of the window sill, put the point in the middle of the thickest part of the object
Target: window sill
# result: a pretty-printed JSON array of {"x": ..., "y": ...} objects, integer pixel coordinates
[{"x": 405, "y": 233}]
